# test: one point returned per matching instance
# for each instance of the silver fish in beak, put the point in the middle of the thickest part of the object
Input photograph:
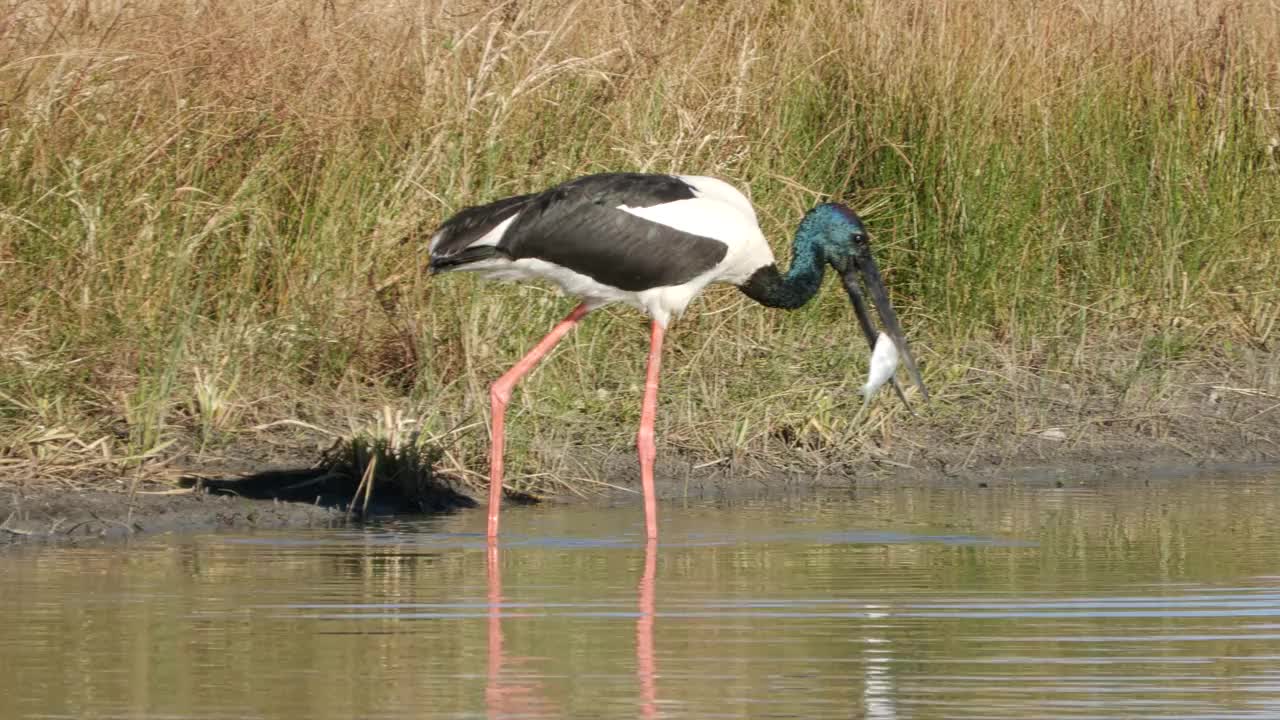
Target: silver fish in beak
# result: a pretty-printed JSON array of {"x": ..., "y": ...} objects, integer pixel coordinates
[
  {"x": 884, "y": 363},
  {"x": 889, "y": 347}
]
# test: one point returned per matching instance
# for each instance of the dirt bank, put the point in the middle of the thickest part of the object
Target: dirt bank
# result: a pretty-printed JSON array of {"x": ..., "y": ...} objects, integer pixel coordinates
[
  {"x": 1115, "y": 456},
  {"x": 53, "y": 514},
  {"x": 1004, "y": 436}
]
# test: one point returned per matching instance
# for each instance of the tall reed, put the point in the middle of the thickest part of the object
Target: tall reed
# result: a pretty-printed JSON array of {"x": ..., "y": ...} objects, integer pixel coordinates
[{"x": 212, "y": 214}]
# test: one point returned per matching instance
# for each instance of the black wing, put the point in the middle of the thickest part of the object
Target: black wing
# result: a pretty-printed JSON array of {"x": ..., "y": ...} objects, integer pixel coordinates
[
  {"x": 578, "y": 226},
  {"x": 473, "y": 223},
  {"x": 630, "y": 189}
]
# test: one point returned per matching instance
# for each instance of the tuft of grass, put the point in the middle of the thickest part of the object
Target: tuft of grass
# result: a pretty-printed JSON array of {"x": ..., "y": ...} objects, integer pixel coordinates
[
  {"x": 390, "y": 478},
  {"x": 212, "y": 216},
  {"x": 382, "y": 467}
]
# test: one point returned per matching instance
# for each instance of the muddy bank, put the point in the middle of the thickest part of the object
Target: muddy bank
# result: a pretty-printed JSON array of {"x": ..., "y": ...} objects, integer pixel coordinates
[
  {"x": 50, "y": 514},
  {"x": 245, "y": 488},
  {"x": 679, "y": 478},
  {"x": 1193, "y": 431},
  {"x": 57, "y": 515}
]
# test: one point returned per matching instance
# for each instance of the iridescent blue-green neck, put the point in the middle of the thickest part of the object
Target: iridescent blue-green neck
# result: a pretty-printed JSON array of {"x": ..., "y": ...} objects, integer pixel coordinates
[{"x": 823, "y": 236}]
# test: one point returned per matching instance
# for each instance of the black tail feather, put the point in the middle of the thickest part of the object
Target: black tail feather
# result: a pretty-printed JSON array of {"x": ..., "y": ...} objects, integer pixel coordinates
[{"x": 465, "y": 257}]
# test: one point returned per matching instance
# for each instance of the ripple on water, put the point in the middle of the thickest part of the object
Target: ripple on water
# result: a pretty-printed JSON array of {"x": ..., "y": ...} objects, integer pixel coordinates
[{"x": 1115, "y": 601}]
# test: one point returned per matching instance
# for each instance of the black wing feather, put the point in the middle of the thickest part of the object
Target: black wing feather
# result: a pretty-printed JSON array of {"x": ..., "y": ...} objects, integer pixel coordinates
[
  {"x": 577, "y": 225},
  {"x": 466, "y": 256},
  {"x": 473, "y": 223},
  {"x": 635, "y": 190}
]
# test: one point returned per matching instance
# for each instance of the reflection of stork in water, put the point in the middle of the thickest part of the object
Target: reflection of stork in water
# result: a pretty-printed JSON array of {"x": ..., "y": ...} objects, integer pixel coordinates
[
  {"x": 654, "y": 242},
  {"x": 646, "y": 664},
  {"x": 503, "y": 698}
]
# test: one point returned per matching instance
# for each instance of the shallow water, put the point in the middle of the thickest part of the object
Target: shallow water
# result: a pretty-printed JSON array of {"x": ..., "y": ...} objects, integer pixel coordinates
[{"x": 1115, "y": 600}]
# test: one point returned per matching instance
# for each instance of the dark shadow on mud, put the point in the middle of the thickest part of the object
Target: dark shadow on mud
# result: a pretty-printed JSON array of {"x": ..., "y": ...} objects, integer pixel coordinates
[{"x": 362, "y": 478}]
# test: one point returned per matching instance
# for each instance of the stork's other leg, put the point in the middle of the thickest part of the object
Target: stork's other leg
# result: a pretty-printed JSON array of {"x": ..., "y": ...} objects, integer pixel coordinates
[
  {"x": 500, "y": 395},
  {"x": 644, "y": 440}
]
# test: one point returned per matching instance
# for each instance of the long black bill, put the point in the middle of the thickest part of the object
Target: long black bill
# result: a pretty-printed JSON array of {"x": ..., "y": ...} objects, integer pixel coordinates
[{"x": 862, "y": 263}]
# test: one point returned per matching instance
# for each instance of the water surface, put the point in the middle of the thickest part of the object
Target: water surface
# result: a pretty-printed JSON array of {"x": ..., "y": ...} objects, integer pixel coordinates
[{"x": 1155, "y": 599}]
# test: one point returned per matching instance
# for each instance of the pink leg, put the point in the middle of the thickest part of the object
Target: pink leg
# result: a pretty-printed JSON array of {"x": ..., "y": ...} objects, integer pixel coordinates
[
  {"x": 500, "y": 395},
  {"x": 644, "y": 441}
]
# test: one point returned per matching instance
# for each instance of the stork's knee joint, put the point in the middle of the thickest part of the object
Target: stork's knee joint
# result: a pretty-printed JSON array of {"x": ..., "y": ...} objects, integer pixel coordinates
[{"x": 499, "y": 393}]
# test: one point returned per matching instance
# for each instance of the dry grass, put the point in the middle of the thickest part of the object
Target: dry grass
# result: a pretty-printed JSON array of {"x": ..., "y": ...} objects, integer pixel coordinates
[{"x": 204, "y": 207}]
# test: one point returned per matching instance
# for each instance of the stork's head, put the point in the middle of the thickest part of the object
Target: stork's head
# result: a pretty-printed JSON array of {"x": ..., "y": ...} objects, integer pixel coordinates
[{"x": 844, "y": 245}]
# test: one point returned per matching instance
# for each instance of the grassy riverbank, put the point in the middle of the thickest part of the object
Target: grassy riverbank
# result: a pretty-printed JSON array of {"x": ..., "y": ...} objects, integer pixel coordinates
[{"x": 204, "y": 210}]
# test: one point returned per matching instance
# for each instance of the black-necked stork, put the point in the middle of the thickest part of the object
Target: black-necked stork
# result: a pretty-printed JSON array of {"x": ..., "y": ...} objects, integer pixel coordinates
[{"x": 654, "y": 242}]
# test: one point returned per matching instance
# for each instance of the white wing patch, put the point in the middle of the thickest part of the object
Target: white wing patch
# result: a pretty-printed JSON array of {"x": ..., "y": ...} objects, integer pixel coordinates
[
  {"x": 717, "y": 189},
  {"x": 727, "y": 218},
  {"x": 698, "y": 216},
  {"x": 494, "y": 236}
]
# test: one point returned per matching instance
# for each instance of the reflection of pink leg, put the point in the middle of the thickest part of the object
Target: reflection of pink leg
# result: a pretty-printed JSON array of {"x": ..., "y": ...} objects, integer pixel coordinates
[
  {"x": 500, "y": 395},
  {"x": 493, "y": 688},
  {"x": 646, "y": 666},
  {"x": 644, "y": 441},
  {"x": 520, "y": 694}
]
